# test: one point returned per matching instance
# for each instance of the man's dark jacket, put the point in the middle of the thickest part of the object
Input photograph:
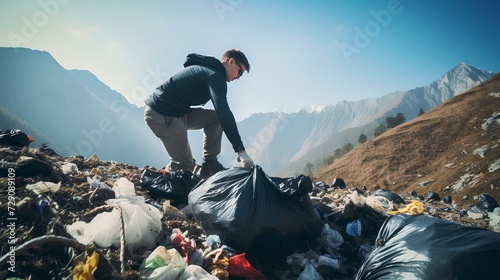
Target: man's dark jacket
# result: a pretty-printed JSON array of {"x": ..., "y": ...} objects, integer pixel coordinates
[{"x": 202, "y": 79}]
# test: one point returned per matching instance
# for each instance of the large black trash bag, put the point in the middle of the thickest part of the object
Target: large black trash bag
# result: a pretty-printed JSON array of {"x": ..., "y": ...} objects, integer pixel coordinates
[
  {"x": 389, "y": 195},
  {"x": 268, "y": 218},
  {"x": 175, "y": 185},
  {"x": 422, "y": 247},
  {"x": 15, "y": 137},
  {"x": 339, "y": 183},
  {"x": 487, "y": 202}
]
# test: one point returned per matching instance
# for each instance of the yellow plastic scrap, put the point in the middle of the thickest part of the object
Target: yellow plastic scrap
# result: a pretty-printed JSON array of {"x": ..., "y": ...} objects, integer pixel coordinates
[
  {"x": 86, "y": 271},
  {"x": 220, "y": 273},
  {"x": 219, "y": 264},
  {"x": 414, "y": 208}
]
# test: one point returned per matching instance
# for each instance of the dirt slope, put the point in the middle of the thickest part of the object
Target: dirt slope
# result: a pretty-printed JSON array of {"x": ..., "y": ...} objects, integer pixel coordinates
[{"x": 435, "y": 150}]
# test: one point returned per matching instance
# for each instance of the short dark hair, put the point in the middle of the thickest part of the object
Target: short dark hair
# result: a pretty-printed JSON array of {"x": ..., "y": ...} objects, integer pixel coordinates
[{"x": 238, "y": 55}]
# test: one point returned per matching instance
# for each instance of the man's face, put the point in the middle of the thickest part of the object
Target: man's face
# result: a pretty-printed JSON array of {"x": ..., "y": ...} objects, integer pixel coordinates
[{"x": 234, "y": 70}]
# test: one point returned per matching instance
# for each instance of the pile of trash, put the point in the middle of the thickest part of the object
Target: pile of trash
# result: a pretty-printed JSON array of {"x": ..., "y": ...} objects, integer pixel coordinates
[{"x": 89, "y": 219}]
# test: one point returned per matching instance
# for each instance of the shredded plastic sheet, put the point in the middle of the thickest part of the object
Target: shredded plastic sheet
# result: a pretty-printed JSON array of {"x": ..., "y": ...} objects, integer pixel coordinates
[{"x": 414, "y": 208}]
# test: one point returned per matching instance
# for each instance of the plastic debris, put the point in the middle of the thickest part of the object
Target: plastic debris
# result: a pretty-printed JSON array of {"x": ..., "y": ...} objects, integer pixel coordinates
[
  {"x": 487, "y": 202},
  {"x": 389, "y": 195},
  {"x": 433, "y": 196},
  {"x": 69, "y": 168},
  {"x": 338, "y": 183},
  {"x": 44, "y": 187},
  {"x": 123, "y": 188},
  {"x": 414, "y": 208},
  {"x": 85, "y": 271},
  {"x": 353, "y": 228}
]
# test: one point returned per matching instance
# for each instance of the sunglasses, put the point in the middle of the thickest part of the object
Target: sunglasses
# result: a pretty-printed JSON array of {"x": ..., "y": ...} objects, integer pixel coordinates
[{"x": 240, "y": 72}]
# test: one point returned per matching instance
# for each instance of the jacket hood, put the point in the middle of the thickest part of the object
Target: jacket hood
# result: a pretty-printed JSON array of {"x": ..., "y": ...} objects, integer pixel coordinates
[{"x": 202, "y": 60}]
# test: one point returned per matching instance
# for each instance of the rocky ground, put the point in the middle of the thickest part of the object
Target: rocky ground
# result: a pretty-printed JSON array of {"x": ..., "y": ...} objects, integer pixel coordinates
[{"x": 37, "y": 245}]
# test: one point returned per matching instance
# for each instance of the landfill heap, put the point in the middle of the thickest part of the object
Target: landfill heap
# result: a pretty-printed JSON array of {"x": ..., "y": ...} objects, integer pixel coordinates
[{"x": 85, "y": 218}]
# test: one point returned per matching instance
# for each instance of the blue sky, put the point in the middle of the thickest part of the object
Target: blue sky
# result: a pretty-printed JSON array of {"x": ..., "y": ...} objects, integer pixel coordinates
[{"x": 301, "y": 52}]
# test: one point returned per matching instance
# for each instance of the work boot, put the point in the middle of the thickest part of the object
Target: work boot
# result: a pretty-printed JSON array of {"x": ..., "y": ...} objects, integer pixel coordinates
[{"x": 209, "y": 168}]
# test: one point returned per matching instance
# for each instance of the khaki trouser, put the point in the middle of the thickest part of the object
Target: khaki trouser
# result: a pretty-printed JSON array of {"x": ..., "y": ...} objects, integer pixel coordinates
[{"x": 173, "y": 134}]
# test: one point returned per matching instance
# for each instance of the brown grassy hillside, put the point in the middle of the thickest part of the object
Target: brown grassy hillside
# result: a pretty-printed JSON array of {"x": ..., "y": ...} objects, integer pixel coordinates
[{"x": 437, "y": 147}]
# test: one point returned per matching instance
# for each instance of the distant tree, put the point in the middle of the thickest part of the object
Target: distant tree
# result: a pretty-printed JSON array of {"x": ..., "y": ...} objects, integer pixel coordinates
[
  {"x": 337, "y": 153},
  {"x": 395, "y": 121},
  {"x": 379, "y": 130},
  {"x": 347, "y": 148},
  {"x": 362, "y": 138},
  {"x": 390, "y": 122},
  {"x": 421, "y": 112},
  {"x": 329, "y": 160},
  {"x": 309, "y": 169},
  {"x": 400, "y": 118}
]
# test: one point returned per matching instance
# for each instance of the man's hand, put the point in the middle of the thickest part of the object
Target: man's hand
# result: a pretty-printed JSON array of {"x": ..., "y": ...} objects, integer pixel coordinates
[{"x": 244, "y": 158}]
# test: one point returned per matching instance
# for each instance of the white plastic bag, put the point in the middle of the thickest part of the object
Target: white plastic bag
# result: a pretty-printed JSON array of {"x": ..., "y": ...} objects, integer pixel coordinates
[
  {"x": 95, "y": 183},
  {"x": 103, "y": 230},
  {"x": 142, "y": 225},
  {"x": 310, "y": 273},
  {"x": 173, "y": 270},
  {"x": 69, "y": 167},
  {"x": 330, "y": 237},
  {"x": 43, "y": 187},
  {"x": 159, "y": 257},
  {"x": 196, "y": 272},
  {"x": 123, "y": 188}
]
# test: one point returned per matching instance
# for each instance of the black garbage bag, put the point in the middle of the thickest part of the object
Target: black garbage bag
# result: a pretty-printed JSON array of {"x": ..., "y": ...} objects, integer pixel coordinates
[
  {"x": 268, "y": 218},
  {"x": 422, "y": 247},
  {"x": 15, "y": 137},
  {"x": 32, "y": 168},
  {"x": 433, "y": 196},
  {"x": 389, "y": 195},
  {"x": 175, "y": 185},
  {"x": 487, "y": 202},
  {"x": 339, "y": 183}
]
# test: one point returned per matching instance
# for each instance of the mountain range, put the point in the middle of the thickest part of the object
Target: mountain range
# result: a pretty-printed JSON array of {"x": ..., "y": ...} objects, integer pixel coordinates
[
  {"x": 74, "y": 113},
  {"x": 285, "y": 143},
  {"x": 451, "y": 150}
]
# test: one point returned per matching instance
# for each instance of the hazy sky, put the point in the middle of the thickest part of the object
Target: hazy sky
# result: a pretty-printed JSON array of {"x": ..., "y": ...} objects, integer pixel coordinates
[{"x": 300, "y": 52}]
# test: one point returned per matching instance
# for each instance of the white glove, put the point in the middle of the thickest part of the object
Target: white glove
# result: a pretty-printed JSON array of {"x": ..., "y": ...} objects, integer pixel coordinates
[{"x": 246, "y": 161}]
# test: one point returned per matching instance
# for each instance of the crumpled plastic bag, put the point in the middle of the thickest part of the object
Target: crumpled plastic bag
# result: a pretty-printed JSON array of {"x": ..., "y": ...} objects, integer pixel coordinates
[
  {"x": 123, "y": 188},
  {"x": 43, "y": 187},
  {"x": 69, "y": 168},
  {"x": 174, "y": 266},
  {"x": 142, "y": 225},
  {"x": 330, "y": 239},
  {"x": 159, "y": 257},
  {"x": 196, "y": 272},
  {"x": 239, "y": 266},
  {"x": 310, "y": 273},
  {"x": 95, "y": 183}
]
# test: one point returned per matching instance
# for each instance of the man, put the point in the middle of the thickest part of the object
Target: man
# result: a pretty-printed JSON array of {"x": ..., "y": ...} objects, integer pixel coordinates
[{"x": 170, "y": 111}]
